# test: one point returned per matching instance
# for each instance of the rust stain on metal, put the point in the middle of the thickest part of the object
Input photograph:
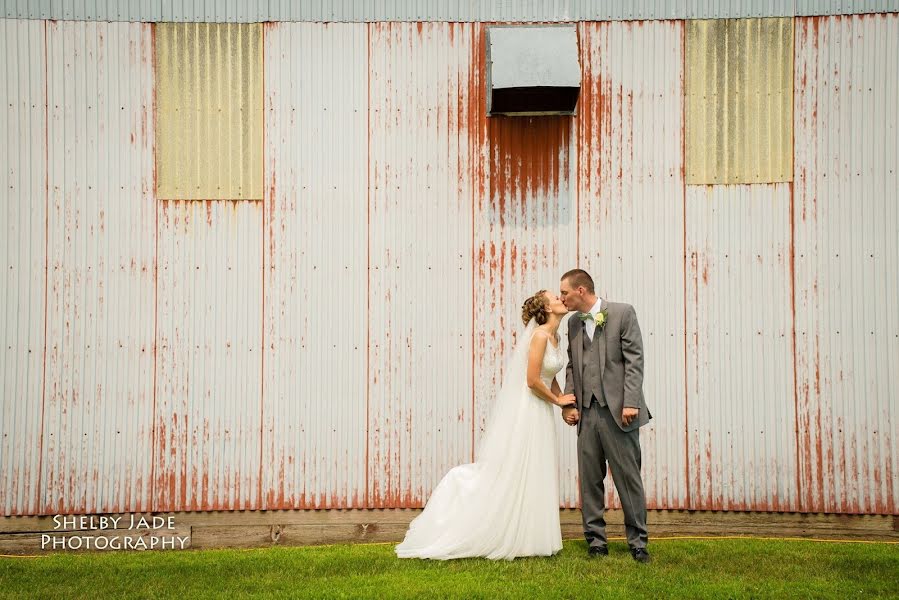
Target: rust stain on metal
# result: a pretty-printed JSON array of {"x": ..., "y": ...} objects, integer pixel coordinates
[
  {"x": 524, "y": 160},
  {"x": 793, "y": 348}
]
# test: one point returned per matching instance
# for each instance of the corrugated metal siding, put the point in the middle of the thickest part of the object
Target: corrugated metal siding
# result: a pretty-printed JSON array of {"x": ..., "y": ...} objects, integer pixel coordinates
[
  {"x": 380, "y": 215},
  {"x": 847, "y": 261},
  {"x": 98, "y": 394},
  {"x": 420, "y": 193},
  {"x": 316, "y": 266},
  {"x": 208, "y": 410},
  {"x": 23, "y": 179},
  {"x": 739, "y": 101},
  {"x": 208, "y": 111},
  {"x": 428, "y": 10},
  {"x": 525, "y": 238},
  {"x": 740, "y": 410},
  {"x": 630, "y": 216}
]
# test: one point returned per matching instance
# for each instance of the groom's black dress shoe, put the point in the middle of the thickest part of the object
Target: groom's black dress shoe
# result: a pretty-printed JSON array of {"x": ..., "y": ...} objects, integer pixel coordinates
[
  {"x": 598, "y": 551},
  {"x": 641, "y": 555}
]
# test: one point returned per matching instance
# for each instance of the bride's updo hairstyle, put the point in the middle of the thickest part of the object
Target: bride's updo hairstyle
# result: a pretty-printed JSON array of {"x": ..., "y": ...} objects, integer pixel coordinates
[{"x": 535, "y": 308}]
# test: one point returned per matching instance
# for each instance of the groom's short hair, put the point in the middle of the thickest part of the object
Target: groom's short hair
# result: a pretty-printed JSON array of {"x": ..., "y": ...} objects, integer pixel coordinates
[{"x": 579, "y": 278}]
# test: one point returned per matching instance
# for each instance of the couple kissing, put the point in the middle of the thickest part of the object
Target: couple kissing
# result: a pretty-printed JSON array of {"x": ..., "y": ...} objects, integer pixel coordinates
[{"x": 506, "y": 504}]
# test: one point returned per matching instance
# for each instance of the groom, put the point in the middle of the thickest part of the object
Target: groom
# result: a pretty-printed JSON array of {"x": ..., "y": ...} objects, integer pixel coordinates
[{"x": 605, "y": 374}]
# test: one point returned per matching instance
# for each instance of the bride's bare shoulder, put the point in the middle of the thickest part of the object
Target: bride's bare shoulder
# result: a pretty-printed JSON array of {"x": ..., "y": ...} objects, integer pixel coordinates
[
  {"x": 539, "y": 333},
  {"x": 552, "y": 339}
]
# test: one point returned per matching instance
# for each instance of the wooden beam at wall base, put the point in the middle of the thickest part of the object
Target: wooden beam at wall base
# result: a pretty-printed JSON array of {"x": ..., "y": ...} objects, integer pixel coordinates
[{"x": 260, "y": 529}]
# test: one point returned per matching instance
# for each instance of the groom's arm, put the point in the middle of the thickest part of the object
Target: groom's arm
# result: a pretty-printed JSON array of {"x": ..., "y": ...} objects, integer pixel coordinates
[
  {"x": 569, "y": 413},
  {"x": 632, "y": 351},
  {"x": 569, "y": 372}
]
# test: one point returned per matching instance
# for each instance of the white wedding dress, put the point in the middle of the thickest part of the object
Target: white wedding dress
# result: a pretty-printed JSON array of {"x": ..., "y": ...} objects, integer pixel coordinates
[{"x": 506, "y": 503}]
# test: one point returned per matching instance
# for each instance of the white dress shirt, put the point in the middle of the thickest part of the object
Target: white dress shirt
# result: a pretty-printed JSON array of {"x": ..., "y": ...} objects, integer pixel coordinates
[{"x": 590, "y": 324}]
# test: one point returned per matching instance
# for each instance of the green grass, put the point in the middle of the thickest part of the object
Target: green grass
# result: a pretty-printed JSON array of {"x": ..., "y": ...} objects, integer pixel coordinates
[{"x": 742, "y": 568}]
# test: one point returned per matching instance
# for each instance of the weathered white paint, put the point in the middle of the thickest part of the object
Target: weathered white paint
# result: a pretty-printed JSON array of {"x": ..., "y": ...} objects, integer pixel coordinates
[
  {"x": 846, "y": 219},
  {"x": 315, "y": 257},
  {"x": 340, "y": 344}
]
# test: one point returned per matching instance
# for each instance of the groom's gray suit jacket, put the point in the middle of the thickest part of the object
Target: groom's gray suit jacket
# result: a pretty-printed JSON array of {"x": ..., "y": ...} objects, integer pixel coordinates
[{"x": 620, "y": 354}]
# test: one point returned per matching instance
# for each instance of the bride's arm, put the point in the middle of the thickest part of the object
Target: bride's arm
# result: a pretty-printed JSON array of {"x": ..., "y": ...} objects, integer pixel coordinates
[
  {"x": 555, "y": 387},
  {"x": 535, "y": 362}
]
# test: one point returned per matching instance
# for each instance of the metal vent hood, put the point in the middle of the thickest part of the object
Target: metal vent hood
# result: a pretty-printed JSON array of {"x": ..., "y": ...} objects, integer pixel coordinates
[{"x": 532, "y": 70}]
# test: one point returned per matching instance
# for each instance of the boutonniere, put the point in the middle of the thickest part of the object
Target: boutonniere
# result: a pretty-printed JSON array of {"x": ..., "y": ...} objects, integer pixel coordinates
[{"x": 601, "y": 318}]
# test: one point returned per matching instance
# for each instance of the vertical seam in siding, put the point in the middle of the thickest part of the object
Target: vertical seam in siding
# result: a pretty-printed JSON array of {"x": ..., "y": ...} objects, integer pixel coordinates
[
  {"x": 799, "y": 497},
  {"x": 40, "y": 448},
  {"x": 580, "y": 137},
  {"x": 683, "y": 129},
  {"x": 478, "y": 41},
  {"x": 796, "y": 417},
  {"x": 262, "y": 293},
  {"x": 151, "y": 497},
  {"x": 475, "y": 36},
  {"x": 366, "y": 492}
]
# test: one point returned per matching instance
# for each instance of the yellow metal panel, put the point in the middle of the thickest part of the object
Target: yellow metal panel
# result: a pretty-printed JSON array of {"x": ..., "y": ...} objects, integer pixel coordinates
[
  {"x": 209, "y": 111},
  {"x": 739, "y": 88}
]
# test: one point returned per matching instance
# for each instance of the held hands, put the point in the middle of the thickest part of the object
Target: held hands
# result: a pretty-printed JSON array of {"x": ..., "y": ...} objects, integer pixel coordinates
[
  {"x": 566, "y": 400},
  {"x": 628, "y": 415},
  {"x": 570, "y": 415},
  {"x": 569, "y": 410}
]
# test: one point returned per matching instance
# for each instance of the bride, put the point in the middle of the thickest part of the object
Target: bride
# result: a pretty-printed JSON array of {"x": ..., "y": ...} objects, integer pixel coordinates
[{"x": 506, "y": 504}]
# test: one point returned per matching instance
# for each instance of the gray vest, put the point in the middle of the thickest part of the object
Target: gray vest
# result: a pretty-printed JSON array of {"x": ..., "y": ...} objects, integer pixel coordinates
[{"x": 592, "y": 377}]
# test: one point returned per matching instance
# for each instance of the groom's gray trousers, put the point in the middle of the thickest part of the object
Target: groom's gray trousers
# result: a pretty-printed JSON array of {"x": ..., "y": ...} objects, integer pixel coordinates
[{"x": 600, "y": 440}]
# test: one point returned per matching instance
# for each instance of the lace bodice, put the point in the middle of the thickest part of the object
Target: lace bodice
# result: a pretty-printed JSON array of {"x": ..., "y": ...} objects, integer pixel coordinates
[{"x": 553, "y": 361}]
